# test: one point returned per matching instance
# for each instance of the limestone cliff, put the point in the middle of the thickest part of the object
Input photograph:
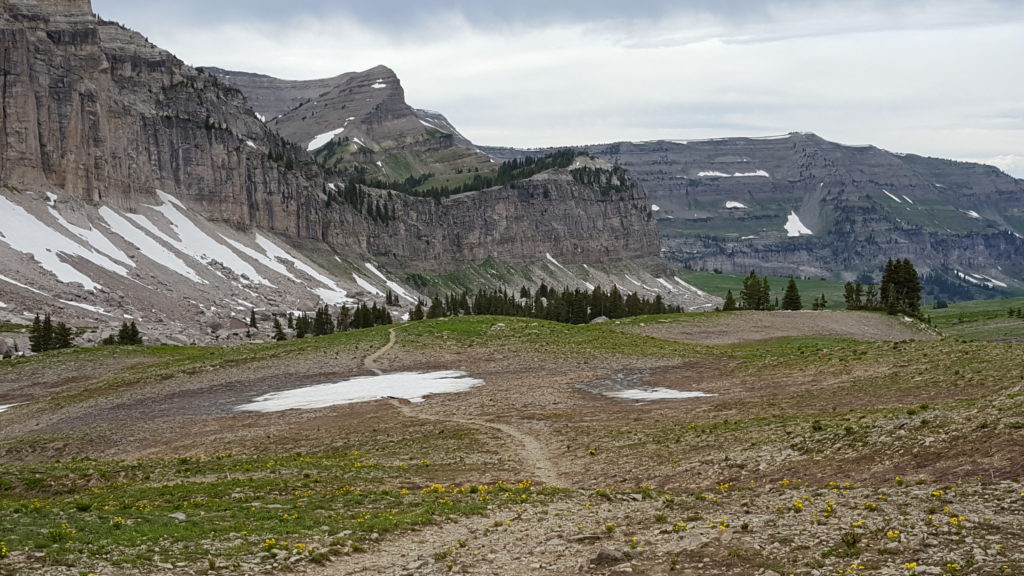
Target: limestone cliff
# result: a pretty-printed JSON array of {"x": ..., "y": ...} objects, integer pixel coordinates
[{"x": 91, "y": 108}]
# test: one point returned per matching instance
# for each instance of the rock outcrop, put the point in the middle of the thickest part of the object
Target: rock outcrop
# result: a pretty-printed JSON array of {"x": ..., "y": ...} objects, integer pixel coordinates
[
  {"x": 157, "y": 192},
  {"x": 725, "y": 204},
  {"x": 91, "y": 108},
  {"x": 360, "y": 119}
]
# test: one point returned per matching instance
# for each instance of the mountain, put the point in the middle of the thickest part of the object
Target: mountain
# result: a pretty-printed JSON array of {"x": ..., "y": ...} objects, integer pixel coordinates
[
  {"x": 134, "y": 185},
  {"x": 799, "y": 204},
  {"x": 360, "y": 119}
]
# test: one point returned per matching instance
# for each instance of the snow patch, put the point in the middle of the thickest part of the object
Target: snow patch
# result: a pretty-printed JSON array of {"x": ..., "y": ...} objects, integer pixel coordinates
[
  {"x": 731, "y": 205},
  {"x": 412, "y": 386},
  {"x": 555, "y": 262},
  {"x": 796, "y": 228},
  {"x": 716, "y": 174},
  {"x": 392, "y": 285},
  {"x": 250, "y": 144},
  {"x": 147, "y": 246},
  {"x": 972, "y": 214},
  {"x": 260, "y": 117},
  {"x": 95, "y": 239},
  {"x": 907, "y": 199},
  {"x": 981, "y": 280},
  {"x": 646, "y": 394},
  {"x": 20, "y": 285},
  {"x": 86, "y": 307},
  {"x": 665, "y": 283},
  {"x": 6, "y": 407},
  {"x": 890, "y": 195},
  {"x": 321, "y": 140},
  {"x": 197, "y": 243},
  {"x": 24, "y": 233},
  {"x": 366, "y": 285},
  {"x": 379, "y": 84},
  {"x": 655, "y": 208},
  {"x": 691, "y": 287}
]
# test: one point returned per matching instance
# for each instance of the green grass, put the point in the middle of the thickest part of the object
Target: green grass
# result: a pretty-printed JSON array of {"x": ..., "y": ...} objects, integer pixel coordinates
[
  {"x": 719, "y": 284},
  {"x": 11, "y": 327},
  {"x": 234, "y": 506},
  {"x": 543, "y": 337},
  {"x": 980, "y": 319}
]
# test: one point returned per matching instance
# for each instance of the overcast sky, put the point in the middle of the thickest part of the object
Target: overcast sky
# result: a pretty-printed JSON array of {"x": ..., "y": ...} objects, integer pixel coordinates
[{"x": 935, "y": 77}]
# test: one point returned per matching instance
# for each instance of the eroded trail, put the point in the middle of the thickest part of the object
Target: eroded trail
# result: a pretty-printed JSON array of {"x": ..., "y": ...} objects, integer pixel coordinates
[
  {"x": 534, "y": 455},
  {"x": 371, "y": 361}
]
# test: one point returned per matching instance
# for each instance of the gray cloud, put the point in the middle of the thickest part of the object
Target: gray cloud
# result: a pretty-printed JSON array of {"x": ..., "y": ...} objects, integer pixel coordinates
[{"x": 937, "y": 77}]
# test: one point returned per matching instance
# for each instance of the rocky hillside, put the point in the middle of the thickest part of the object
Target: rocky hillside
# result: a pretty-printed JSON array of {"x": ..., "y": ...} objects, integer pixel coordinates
[
  {"x": 134, "y": 185},
  {"x": 799, "y": 204},
  {"x": 360, "y": 119}
]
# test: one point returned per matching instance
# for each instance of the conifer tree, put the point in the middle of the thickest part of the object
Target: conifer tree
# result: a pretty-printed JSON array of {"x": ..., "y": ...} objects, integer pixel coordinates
[
  {"x": 62, "y": 337},
  {"x": 279, "y": 334},
  {"x": 730, "y": 302},
  {"x": 765, "y": 297},
  {"x": 46, "y": 333},
  {"x": 35, "y": 336},
  {"x": 791, "y": 298},
  {"x": 417, "y": 312},
  {"x": 252, "y": 319}
]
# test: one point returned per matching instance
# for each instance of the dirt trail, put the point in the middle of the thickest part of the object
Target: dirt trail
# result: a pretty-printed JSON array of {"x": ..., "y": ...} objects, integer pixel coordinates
[
  {"x": 533, "y": 454},
  {"x": 371, "y": 361}
]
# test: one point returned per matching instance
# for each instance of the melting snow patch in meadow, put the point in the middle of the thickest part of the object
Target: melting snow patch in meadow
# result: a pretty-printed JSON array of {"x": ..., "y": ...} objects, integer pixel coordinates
[
  {"x": 321, "y": 140},
  {"x": 412, "y": 386},
  {"x": 6, "y": 407},
  {"x": 731, "y": 205},
  {"x": 795, "y": 228},
  {"x": 647, "y": 394}
]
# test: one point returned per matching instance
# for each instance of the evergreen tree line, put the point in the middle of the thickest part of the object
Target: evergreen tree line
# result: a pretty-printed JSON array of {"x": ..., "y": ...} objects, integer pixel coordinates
[
  {"x": 44, "y": 335},
  {"x": 606, "y": 181},
  {"x": 757, "y": 295},
  {"x": 361, "y": 201},
  {"x": 128, "y": 335},
  {"x": 323, "y": 322},
  {"x": 508, "y": 173},
  {"x": 565, "y": 306},
  {"x": 1015, "y": 313},
  {"x": 898, "y": 293}
]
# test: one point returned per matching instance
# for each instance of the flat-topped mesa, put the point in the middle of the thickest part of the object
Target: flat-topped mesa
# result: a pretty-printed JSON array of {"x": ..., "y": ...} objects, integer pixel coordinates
[{"x": 48, "y": 8}]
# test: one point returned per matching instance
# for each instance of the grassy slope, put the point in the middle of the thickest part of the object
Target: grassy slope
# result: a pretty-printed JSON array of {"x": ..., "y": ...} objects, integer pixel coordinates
[
  {"x": 718, "y": 284},
  {"x": 83, "y": 511},
  {"x": 980, "y": 320}
]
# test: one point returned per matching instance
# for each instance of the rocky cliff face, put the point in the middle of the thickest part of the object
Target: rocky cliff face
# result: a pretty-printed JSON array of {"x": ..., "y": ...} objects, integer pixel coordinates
[
  {"x": 360, "y": 119},
  {"x": 799, "y": 204},
  {"x": 95, "y": 121},
  {"x": 91, "y": 108}
]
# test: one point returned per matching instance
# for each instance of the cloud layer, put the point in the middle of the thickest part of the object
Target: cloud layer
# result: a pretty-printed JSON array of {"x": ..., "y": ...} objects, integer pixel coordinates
[{"x": 927, "y": 76}]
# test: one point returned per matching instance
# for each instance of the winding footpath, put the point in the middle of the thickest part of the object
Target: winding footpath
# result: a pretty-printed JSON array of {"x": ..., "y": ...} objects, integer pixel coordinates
[{"x": 533, "y": 454}]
